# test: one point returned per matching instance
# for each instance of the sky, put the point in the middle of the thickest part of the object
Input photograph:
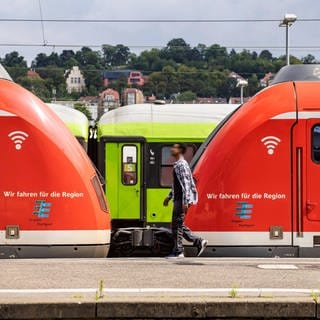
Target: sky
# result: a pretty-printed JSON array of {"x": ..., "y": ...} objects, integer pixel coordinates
[{"x": 266, "y": 34}]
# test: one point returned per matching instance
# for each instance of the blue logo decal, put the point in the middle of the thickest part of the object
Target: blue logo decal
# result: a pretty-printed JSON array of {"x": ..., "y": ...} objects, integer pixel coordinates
[
  {"x": 244, "y": 210},
  {"x": 42, "y": 208}
]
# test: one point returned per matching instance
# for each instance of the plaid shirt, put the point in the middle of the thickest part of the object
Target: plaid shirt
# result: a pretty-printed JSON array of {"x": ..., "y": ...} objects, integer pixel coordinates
[{"x": 184, "y": 175}]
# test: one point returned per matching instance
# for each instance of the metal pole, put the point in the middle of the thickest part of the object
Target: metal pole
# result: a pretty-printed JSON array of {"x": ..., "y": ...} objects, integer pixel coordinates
[
  {"x": 287, "y": 45},
  {"x": 241, "y": 94}
]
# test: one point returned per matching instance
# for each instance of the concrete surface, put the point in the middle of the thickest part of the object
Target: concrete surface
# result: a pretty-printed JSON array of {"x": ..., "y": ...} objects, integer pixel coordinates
[
  {"x": 157, "y": 272},
  {"x": 158, "y": 288}
]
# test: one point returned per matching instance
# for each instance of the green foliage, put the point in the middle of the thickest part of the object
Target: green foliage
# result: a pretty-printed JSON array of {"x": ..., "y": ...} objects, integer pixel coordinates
[
  {"x": 120, "y": 85},
  {"x": 178, "y": 67},
  {"x": 15, "y": 64},
  {"x": 187, "y": 96},
  {"x": 315, "y": 295},
  {"x": 115, "y": 55},
  {"x": 309, "y": 59},
  {"x": 37, "y": 86},
  {"x": 233, "y": 292},
  {"x": 80, "y": 107},
  {"x": 100, "y": 292}
]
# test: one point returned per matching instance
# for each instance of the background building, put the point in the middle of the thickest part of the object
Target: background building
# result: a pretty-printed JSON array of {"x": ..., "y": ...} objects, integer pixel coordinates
[
  {"x": 132, "y": 96},
  {"x": 109, "y": 100},
  {"x": 265, "y": 81},
  {"x": 133, "y": 77},
  {"x": 75, "y": 80},
  {"x": 91, "y": 103}
]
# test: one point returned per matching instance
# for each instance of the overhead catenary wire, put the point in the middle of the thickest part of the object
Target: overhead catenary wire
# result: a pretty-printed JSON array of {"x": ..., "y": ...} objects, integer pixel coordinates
[
  {"x": 42, "y": 23},
  {"x": 221, "y": 47},
  {"x": 145, "y": 72},
  {"x": 151, "y": 20},
  {"x": 169, "y": 20}
]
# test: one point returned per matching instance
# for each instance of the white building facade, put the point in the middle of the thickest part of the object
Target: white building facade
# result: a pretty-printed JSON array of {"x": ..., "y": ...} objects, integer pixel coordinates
[{"x": 75, "y": 80}]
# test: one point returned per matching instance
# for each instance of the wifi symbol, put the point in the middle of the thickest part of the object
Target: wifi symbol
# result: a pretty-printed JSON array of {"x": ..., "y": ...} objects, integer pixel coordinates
[
  {"x": 18, "y": 137},
  {"x": 271, "y": 142}
]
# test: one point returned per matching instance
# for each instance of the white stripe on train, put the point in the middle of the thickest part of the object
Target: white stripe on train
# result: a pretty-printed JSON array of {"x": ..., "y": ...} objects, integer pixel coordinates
[
  {"x": 254, "y": 238},
  {"x": 58, "y": 237},
  {"x": 301, "y": 115}
]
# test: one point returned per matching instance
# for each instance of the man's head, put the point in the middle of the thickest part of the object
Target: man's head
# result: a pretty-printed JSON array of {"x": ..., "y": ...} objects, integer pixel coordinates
[{"x": 178, "y": 149}]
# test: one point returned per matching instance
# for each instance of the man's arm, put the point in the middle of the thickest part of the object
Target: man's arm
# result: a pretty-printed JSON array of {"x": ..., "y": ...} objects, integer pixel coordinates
[{"x": 168, "y": 198}]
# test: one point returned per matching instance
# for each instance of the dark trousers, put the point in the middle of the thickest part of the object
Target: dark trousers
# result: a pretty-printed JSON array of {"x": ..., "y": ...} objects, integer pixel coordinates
[{"x": 180, "y": 230}]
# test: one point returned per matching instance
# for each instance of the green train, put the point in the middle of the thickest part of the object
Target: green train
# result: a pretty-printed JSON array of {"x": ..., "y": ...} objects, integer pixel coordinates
[
  {"x": 134, "y": 158},
  {"x": 75, "y": 120}
]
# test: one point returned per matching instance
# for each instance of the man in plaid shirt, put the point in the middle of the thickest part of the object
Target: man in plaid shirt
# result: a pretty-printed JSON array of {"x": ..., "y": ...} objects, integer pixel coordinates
[{"x": 184, "y": 194}]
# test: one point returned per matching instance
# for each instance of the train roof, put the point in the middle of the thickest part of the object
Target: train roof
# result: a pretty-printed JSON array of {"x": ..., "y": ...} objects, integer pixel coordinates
[
  {"x": 163, "y": 121},
  {"x": 298, "y": 72},
  {"x": 4, "y": 74},
  {"x": 75, "y": 120}
]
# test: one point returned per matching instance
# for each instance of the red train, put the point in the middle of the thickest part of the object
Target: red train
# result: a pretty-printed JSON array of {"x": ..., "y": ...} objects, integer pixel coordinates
[
  {"x": 51, "y": 200},
  {"x": 258, "y": 173}
]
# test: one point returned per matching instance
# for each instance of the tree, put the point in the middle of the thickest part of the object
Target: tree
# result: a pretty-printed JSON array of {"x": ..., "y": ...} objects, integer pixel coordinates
[
  {"x": 37, "y": 86},
  {"x": 253, "y": 85},
  {"x": 157, "y": 85},
  {"x": 121, "y": 55},
  {"x": 177, "y": 50},
  {"x": 42, "y": 60},
  {"x": 216, "y": 56},
  {"x": 86, "y": 56},
  {"x": 120, "y": 84},
  {"x": 171, "y": 78},
  {"x": 309, "y": 59},
  {"x": 108, "y": 54},
  {"x": 115, "y": 55},
  {"x": 178, "y": 67},
  {"x": 54, "y": 74},
  {"x": 265, "y": 54},
  {"x": 80, "y": 107},
  {"x": 54, "y": 79},
  {"x": 15, "y": 64},
  {"x": 93, "y": 78},
  {"x": 65, "y": 57},
  {"x": 187, "y": 96},
  {"x": 229, "y": 87}
]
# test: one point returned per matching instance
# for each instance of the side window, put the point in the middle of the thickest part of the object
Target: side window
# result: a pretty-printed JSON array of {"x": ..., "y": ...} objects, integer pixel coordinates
[
  {"x": 129, "y": 165},
  {"x": 316, "y": 143},
  {"x": 167, "y": 162}
]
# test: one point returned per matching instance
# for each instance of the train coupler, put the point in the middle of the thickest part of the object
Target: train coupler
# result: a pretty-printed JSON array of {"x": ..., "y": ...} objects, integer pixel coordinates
[{"x": 128, "y": 241}]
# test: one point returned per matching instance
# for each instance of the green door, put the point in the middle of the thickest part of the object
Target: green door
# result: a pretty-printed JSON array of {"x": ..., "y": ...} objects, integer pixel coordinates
[{"x": 123, "y": 180}]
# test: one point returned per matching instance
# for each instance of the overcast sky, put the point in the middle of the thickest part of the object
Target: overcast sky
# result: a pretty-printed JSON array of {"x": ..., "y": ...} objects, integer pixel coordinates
[{"x": 157, "y": 34}]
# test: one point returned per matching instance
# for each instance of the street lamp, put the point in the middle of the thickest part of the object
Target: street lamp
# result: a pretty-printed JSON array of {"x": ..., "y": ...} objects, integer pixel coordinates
[
  {"x": 242, "y": 83},
  {"x": 54, "y": 93},
  {"x": 288, "y": 20}
]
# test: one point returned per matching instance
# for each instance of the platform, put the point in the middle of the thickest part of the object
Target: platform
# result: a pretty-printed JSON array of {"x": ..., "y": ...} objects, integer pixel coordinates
[{"x": 158, "y": 288}]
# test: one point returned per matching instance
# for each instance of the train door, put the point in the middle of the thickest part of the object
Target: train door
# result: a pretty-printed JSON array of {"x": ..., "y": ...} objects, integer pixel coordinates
[
  {"x": 123, "y": 173},
  {"x": 313, "y": 171},
  {"x": 307, "y": 177},
  {"x": 159, "y": 178}
]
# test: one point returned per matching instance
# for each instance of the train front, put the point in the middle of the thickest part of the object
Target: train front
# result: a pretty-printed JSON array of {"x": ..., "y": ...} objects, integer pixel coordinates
[
  {"x": 51, "y": 200},
  {"x": 258, "y": 173}
]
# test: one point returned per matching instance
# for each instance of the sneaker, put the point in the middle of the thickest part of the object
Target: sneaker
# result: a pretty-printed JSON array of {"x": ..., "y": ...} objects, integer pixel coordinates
[
  {"x": 175, "y": 256},
  {"x": 202, "y": 247}
]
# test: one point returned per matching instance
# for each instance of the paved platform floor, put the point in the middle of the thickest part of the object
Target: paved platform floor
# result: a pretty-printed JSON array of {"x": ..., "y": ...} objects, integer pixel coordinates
[
  {"x": 159, "y": 288},
  {"x": 141, "y": 273}
]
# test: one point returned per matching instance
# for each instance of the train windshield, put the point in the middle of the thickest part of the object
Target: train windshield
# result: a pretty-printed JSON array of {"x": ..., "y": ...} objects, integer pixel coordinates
[{"x": 204, "y": 145}]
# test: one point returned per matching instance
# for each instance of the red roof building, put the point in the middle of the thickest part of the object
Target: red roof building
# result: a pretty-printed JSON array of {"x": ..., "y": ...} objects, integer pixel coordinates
[{"x": 33, "y": 74}]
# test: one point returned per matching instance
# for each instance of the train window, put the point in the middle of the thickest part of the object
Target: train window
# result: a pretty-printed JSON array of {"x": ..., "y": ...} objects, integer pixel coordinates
[
  {"x": 316, "y": 143},
  {"x": 99, "y": 192},
  {"x": 129, "y": 165},
  {"x": 167, "y": 162}
]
